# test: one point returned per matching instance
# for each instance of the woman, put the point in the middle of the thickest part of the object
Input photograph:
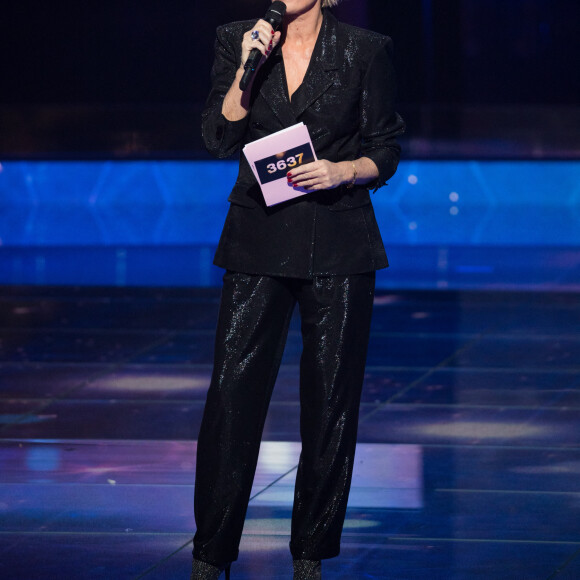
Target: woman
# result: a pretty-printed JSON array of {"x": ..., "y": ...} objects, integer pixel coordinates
[{"x": 320, "y": 250}]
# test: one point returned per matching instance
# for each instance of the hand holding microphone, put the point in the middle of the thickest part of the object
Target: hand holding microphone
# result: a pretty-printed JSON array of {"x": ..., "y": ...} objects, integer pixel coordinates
[{"x": 260, "y": 41}]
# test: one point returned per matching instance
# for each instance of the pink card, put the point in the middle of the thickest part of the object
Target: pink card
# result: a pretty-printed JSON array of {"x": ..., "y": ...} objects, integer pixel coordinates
[{"x": 273, "y": 156}]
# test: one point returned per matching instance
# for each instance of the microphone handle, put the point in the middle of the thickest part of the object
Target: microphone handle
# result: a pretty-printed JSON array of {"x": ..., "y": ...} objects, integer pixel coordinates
[{"x": 250, "y": 68}]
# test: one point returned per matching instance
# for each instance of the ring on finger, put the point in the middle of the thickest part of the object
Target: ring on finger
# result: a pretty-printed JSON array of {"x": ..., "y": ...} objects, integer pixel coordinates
[{"x": 255, "y": 35}]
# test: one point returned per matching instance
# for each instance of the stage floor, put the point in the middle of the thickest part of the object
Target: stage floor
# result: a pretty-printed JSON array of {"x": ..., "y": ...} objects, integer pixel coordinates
[{"x": 468, "y": 463}]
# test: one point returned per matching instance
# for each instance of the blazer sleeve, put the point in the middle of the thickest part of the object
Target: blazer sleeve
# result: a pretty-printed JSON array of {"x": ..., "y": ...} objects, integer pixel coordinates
[
  {"x": 380, "y": 124},
  {"x": 222, "y": 137}
]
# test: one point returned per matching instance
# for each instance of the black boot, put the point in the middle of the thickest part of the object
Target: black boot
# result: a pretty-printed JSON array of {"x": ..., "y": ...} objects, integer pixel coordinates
[
  {"x": 307, "y": 570},
  {"x": 204, "y": 571}
]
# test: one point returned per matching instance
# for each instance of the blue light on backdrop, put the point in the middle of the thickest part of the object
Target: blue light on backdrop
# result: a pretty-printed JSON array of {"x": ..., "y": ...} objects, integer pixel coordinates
[{"x": 157, "y": 222}]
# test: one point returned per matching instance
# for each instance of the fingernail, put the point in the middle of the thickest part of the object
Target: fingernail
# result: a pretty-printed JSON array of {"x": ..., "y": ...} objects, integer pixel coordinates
[
  {"x": 289, "y": 180},
  {"x": 273, "y": 32},
  {"x": 288, "y": 174},
  {"x": 295, "y": 186}
]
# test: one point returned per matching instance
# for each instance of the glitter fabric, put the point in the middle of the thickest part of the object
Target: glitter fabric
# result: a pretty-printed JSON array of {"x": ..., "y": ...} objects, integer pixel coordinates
[
  {"x": 203, "y": 571},
  {"x": 252, "y": 327},
  {"x": 347, "y": 102},
  {"x": 307, "y": 570}
]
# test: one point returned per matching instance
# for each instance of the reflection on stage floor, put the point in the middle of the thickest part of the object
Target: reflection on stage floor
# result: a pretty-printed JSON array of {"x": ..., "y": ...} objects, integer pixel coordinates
[{"x": 468, "y": 463}]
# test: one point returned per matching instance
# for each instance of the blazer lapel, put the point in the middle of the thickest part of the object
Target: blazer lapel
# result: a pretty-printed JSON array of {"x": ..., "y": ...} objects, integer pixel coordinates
[
  {"x": 275, "y": 91},
  {"x": 318, "y": 78}
]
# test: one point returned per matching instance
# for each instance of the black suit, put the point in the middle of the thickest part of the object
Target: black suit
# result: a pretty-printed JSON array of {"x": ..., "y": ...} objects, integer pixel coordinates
[
  {"x": 320, "y": 251},
  {"x": 346, "y": 101}
]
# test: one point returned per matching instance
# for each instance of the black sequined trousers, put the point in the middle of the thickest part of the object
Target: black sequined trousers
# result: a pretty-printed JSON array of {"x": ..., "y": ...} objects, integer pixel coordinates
[{"x": 255, "y": 313}]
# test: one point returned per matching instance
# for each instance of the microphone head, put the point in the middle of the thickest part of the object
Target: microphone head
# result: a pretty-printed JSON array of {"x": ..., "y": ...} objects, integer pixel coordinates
[{"x": 275, "y": 14}]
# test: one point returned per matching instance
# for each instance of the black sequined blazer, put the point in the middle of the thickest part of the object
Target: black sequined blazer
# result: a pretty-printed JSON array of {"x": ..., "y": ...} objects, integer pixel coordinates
[{"x": 347, "y": 102}]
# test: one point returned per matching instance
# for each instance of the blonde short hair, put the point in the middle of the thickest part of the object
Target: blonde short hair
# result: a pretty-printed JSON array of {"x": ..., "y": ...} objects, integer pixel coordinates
[{"x": 329, "y": 3}]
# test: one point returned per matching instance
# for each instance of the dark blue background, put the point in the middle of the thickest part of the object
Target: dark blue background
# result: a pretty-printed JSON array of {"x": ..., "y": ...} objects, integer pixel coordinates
[{"x": 127, "y": 78}]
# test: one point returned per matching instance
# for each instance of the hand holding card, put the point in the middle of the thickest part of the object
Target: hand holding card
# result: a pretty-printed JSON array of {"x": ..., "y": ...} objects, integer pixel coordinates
[{"x": 273, "y": 156}]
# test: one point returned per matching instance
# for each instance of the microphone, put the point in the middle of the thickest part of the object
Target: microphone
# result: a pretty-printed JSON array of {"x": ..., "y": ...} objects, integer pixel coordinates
[{"x": 274, "y": 17}]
